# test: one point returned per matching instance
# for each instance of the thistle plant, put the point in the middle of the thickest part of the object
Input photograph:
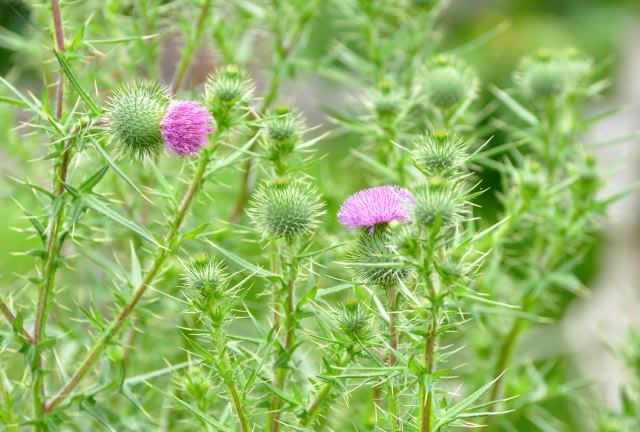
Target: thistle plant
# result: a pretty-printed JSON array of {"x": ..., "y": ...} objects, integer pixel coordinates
[{"x": 292, "y": 216}]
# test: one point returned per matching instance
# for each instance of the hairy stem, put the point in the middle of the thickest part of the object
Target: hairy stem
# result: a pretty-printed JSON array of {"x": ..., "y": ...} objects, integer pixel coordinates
[
  {"x": 227, "y": 376},
  {"x": 57, "y": 219},
  {"x": 114, "y": 327},
  {"x": 429, "y": 358}
]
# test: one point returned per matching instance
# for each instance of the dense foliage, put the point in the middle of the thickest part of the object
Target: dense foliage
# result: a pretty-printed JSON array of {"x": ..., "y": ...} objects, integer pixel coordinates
[{"x": 204, "y": 257}]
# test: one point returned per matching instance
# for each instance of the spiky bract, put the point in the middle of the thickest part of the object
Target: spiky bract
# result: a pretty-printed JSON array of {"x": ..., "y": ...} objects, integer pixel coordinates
[
  {"x": 134, "y": 117},
  {"x": 439, "y": 153},
  {"x": 354, "y": 320},
  {"x": 435, "y": 202},
  {"x": 375, "y": 262},
  {"x": 286, "y": 210}
]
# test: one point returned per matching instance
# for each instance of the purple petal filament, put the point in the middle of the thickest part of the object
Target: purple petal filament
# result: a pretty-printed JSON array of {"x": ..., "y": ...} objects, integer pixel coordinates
[
  {"x": 373, "y": 206},
  {"x": 185, "y": 127}
]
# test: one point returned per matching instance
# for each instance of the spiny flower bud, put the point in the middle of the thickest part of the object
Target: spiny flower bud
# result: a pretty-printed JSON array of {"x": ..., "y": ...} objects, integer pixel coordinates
[
  {"x": 185, "y": 127},
  {"x": 206, "y": 280},
  {"x": 134, "y": 115},
  {"x": 386, "y": 100},
  {"x": 286, "y": 210},
  {"x": 354, "y": 320},
  {"x": 453, "y": 269},
  {"x": 374, "y": 262},
  {"x": 448, "y": 82},
  {"x": 439, "y": 153},
  {"x": 547, "y": 75},
  {"x": 283, "y": 128},
  {"x": 228, "y": 85},
  {"x": 433, "y": 201}
]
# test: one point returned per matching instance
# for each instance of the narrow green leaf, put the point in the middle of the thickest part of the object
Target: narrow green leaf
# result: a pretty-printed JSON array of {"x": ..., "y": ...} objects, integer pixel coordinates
[
  {"x": 75, "y": 84},
  {"x": 116, "y": 168},
  {"x": 461, "y": 407},
  {"x": 244, "y": 264},
  {"x": 517, "y": 109},
  {"x": 101, "y": 207}
]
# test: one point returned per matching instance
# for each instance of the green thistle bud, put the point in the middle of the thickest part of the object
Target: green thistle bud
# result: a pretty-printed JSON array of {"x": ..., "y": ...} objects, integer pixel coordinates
[
  {"x": 354, "y": 320},
  {"x": 286, "y": 210},
  {"x": 374, "y": 262},
  {"x": 449, "y": 82},
  {"x": 206, "y": 279},
  {"x": 548, "y": 75},
  {"x": 134, "y": 115},
  {"x": 386, "y": 101},
  {"x": 439, "y": 153},
  {"x": 229, "y": 85},
  {"x": 433, "y": 201},
  {"x": 453, "y": 269},
  {"x": 284, "y": 126}
]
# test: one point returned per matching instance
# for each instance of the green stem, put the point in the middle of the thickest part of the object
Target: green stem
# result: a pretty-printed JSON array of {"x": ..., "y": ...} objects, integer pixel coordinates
[
  {"x": 51, "y": 257},
  {"x": 190, "y": 45},
  {"x": 426, "y": 394},
  {"x": 290, "y": 334},
  {"x": 392, "y": 403},
  {"x": 323, "y": 395},
  {"x": 114, "y": 327},
  {"x": 227, "y": 376}
]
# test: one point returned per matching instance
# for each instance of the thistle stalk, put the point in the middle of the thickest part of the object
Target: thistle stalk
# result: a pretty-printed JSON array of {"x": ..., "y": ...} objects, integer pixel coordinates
[
  {"x": 53, "y": 248},
  {"x": 112, "y": 330},
  {"x": 290, "y": 333}
]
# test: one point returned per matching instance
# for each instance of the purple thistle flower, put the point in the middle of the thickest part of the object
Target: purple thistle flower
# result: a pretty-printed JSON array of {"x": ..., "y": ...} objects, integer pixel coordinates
[
  {"x": 185, "y": 127},
  {"x": 376, "y": 205}
]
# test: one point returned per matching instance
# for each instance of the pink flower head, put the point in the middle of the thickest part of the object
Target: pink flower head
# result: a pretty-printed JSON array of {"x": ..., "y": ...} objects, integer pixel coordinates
[
  {"x": 373, "y": 206},
  {"x": 185, "y": 127}
]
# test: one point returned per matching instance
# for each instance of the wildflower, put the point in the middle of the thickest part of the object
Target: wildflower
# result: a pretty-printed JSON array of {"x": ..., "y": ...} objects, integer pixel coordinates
[
  {"x": 377, "y": 205},
  {"x": 134, "y": 120},
  {"x": 373, "y": 261},
  {"x": 439, "y": 153},
  {"x": 185, "y": 127},
  {"x": 286, "y": 210},
  {"x": 449, "y": 82}
]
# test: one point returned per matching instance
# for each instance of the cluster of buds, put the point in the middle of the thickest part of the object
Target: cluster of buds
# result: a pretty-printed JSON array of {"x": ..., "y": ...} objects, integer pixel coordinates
[{"x": 143, "y": 119}]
